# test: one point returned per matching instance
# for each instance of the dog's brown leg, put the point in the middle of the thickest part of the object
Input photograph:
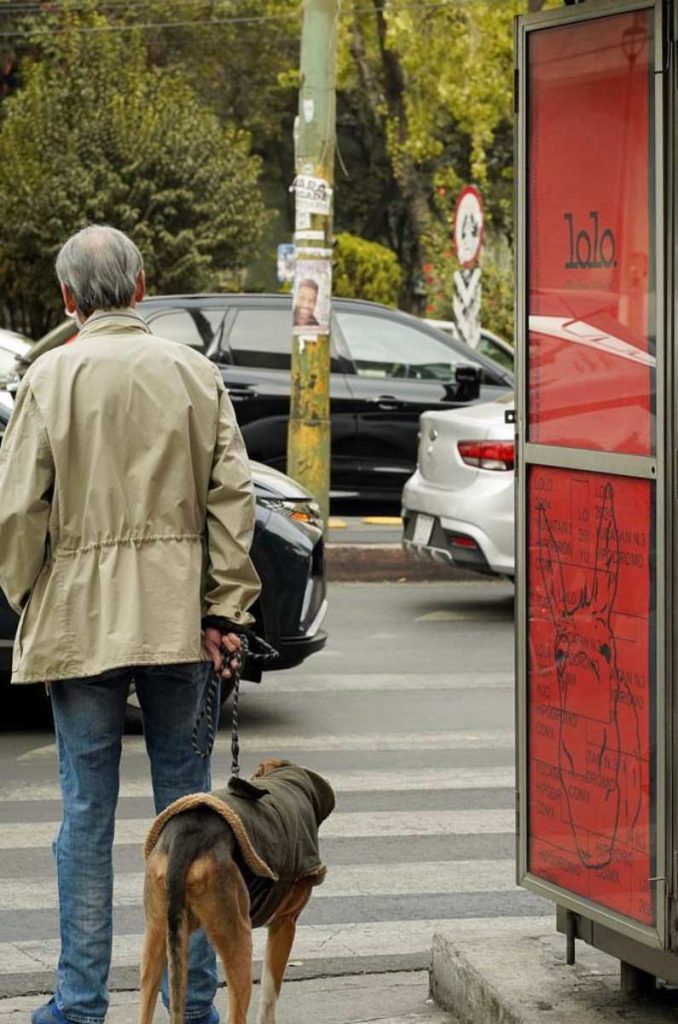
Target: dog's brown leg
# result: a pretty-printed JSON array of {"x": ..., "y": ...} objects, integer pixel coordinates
[
  {"x": 153, "y": 960},
  {"x": 281, "y": 932},
  {"x": 154, "y": 951},
  {"x": 223, "y": 910}
]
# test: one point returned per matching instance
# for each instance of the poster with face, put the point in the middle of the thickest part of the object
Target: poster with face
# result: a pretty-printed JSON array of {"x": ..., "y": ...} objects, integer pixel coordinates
[
  {"x": 312, "y": 295},
  {"x": 591, "y": 247}
]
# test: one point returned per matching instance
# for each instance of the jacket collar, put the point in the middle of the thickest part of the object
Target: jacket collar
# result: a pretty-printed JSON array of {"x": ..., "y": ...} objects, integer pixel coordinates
[{"x": 116, "y": 321}]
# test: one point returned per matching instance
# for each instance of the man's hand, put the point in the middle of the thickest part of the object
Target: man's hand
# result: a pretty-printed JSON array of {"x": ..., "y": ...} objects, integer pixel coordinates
[{"x": 214, "y": 639}]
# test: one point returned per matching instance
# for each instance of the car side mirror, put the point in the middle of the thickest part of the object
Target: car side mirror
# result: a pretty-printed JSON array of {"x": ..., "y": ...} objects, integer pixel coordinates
[{"x": 466, "y": 386}]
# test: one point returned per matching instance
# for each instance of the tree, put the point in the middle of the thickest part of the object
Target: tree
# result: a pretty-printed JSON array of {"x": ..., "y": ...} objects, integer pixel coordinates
[
  {"x": 96, "y": 134},
  {"x": 428, "y": 92}
]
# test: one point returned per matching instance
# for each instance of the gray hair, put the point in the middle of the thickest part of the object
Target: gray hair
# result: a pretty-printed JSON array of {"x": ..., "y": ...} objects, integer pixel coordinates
[{"x": 101, "y": 267}]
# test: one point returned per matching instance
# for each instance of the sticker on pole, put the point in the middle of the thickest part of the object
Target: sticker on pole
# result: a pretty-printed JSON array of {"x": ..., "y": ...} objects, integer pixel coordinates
[{"x": 468, "y": 226}]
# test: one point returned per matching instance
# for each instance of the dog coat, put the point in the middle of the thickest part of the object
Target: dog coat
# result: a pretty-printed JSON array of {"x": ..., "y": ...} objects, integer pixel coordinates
[{"x": 274, "y": 820}]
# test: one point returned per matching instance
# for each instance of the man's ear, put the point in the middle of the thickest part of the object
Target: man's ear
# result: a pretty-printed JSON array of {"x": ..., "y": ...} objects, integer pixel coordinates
[
  {"x": 140, "y": 289},
  {"x": 68, "y": 299}
]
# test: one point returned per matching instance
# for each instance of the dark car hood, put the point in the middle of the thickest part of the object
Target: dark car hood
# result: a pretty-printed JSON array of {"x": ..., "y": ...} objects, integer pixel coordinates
[{"x": 269, "y": 482}]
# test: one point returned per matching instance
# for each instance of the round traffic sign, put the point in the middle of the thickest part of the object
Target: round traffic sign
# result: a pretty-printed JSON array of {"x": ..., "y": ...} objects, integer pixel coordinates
[{"x": 468, "y": 226}]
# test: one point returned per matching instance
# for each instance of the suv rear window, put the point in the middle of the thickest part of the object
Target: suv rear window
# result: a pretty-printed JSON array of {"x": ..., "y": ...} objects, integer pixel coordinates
[
  {"x": 190, "y": 326},
  {"x": 261, "y": 338}
]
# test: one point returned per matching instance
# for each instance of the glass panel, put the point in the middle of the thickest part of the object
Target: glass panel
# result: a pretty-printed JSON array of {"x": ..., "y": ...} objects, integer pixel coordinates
[
  {"x": 488, "y": 347},
  {"x": 190, "y": 326},
  {"x": 381, "y": 347},
  {"x": 591, "y": 686},
  {"x": 591, "y": 256},
  {"x": 7, "y": 361},
  {"x": 262, "y": 338}
]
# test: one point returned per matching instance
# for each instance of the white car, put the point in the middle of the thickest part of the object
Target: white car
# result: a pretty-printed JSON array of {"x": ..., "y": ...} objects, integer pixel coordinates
[{"x": 458, "y": 506}]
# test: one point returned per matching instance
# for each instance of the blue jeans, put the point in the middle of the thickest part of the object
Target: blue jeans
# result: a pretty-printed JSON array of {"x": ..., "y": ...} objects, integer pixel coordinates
[{"x": 89, "y": 720}]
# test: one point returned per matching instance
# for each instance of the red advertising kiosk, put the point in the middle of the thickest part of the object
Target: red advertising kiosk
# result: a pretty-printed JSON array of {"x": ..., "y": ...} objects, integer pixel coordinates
[{"x": 596, "y": 474}]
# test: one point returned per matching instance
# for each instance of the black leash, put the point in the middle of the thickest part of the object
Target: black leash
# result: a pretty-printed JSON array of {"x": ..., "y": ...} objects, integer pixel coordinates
[{"x": 254, "y": 648}]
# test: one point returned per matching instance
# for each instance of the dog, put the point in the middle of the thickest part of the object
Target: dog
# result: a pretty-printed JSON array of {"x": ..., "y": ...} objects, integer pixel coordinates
[{"x": 224, "y": 862}]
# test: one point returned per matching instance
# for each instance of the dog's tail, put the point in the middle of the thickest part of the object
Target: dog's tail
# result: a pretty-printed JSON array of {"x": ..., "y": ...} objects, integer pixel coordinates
[{"x": 183, "y": 849}]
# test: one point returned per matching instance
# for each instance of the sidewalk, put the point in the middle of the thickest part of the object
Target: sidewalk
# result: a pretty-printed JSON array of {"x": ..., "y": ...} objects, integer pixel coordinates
[
  {"x": 400, "y": 998},
  {"x": 519, "y": 976},
  {"x": 368, "y": 548}
]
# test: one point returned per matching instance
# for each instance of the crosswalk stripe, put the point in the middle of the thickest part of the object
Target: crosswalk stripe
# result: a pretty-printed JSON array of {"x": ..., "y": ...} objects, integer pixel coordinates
[
  {"x": 379, "y": 682},
  {"x": 346, "y": 880},
  {"x": 312, "y": 942},
  {"x": 485, "y": 739},
  {"x": 345, "y": 825},
  {"x": 502, "y": 777}
]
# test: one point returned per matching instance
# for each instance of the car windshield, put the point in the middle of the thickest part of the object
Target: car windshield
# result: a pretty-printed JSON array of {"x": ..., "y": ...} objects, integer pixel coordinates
[{"x": 488, "y": 347}]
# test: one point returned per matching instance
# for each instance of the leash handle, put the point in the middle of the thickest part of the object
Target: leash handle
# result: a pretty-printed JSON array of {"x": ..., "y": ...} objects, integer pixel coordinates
[{"x": 210, "y": 710}]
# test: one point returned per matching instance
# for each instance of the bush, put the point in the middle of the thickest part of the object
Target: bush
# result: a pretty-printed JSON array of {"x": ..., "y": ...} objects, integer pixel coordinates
[{"x": 365, "y": 270}]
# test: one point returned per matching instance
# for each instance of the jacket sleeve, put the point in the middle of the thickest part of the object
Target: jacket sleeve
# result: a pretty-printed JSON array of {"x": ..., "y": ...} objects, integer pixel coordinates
[
  {"x": 26, "y": 484},
  {"x": 232, "y": 582}
]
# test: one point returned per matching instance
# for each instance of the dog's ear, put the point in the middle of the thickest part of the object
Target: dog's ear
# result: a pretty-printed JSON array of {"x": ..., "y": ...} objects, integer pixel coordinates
[
  {"x": 322, "y": 795},
  {"x": 266, "y": 767},
  {"x": 245, "y": 789}
]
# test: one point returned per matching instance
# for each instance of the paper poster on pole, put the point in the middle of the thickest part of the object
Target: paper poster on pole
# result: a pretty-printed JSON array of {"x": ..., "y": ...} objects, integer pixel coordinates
[
  {"x": 312, "y": 194},
  {"x": 312, "y": 295},
  {"x": 285, "y": 262}
]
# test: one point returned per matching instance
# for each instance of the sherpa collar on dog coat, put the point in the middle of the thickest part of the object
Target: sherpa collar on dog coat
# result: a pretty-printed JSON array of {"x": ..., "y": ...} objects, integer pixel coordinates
[{"x": 274, "y": 820}]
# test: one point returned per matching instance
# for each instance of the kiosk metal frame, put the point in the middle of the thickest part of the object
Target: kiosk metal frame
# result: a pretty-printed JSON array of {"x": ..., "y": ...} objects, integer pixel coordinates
[{"x": 647, "y": 948}]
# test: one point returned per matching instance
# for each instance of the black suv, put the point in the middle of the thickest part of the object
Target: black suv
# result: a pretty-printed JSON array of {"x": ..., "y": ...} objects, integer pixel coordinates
[{"x": 387, "y": 368}]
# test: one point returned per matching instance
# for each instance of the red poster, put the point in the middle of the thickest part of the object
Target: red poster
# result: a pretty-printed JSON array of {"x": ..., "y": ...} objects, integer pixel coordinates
[
  {"x": 591, "y": 686},
  {"x": 591, "y": 267}
]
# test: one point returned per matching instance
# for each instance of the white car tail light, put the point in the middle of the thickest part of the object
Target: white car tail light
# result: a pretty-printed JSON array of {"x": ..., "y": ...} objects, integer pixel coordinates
[{"x": 498, "y": 455}]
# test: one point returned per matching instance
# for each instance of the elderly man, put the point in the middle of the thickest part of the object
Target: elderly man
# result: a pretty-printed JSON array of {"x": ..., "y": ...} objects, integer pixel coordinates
[{"x": 125, "y": 526}]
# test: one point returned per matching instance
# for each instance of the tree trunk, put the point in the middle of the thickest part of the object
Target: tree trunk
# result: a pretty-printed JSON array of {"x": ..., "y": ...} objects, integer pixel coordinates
[{"x": 405, "y": 170}]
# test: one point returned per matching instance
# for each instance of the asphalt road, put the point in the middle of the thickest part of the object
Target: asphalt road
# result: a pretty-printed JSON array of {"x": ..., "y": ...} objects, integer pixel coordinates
[{"x": 409, "y": 711}]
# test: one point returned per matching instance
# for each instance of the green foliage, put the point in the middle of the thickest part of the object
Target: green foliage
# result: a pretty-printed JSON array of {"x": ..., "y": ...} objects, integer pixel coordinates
[
  {"x": 96, "y": 134},
  {"x": 429, "y": 92},
  {"x": 244, "y": 66},
  {"x": 498, "y": 300},
  {"x": 424, "y": 106},
  {"x": 365, "y": 270}
]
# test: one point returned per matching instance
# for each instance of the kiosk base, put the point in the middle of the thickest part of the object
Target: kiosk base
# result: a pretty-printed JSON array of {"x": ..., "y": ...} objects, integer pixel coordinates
[{"x": 640, "y": 965}]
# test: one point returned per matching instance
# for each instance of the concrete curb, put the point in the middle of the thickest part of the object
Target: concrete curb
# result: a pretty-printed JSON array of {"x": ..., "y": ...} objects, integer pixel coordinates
[
  {"x": 385, "y": 562},
  {"x": 519, "y": 976},
  {"x": 126, "y": 979}
]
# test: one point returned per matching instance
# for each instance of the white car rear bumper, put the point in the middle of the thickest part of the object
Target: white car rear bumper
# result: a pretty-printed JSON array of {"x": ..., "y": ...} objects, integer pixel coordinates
[{"x": 483, "y": 512}]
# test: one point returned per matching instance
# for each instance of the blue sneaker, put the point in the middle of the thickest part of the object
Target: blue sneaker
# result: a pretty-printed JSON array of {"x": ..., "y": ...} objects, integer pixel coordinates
[{"x": 48, "y": 1014}]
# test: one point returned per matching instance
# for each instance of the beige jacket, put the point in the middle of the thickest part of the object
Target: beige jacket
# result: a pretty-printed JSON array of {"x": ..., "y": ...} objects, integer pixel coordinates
[{"x": 126, "y": 505}]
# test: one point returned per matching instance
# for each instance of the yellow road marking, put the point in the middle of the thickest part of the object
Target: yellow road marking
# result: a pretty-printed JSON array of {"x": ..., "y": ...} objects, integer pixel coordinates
[
  {"x": 382, "y": 520},
  {"x": 337, "y": 524}
]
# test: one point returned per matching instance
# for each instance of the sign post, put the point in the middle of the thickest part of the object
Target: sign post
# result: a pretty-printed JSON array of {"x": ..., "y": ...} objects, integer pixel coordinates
[
  {"x": 595, "y": 552},
  {"x": 468, "y": 240}
]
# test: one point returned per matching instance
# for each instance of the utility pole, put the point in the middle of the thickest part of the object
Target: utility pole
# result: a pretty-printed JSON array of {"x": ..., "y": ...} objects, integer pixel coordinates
[{"x": 308, "y": 439}]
